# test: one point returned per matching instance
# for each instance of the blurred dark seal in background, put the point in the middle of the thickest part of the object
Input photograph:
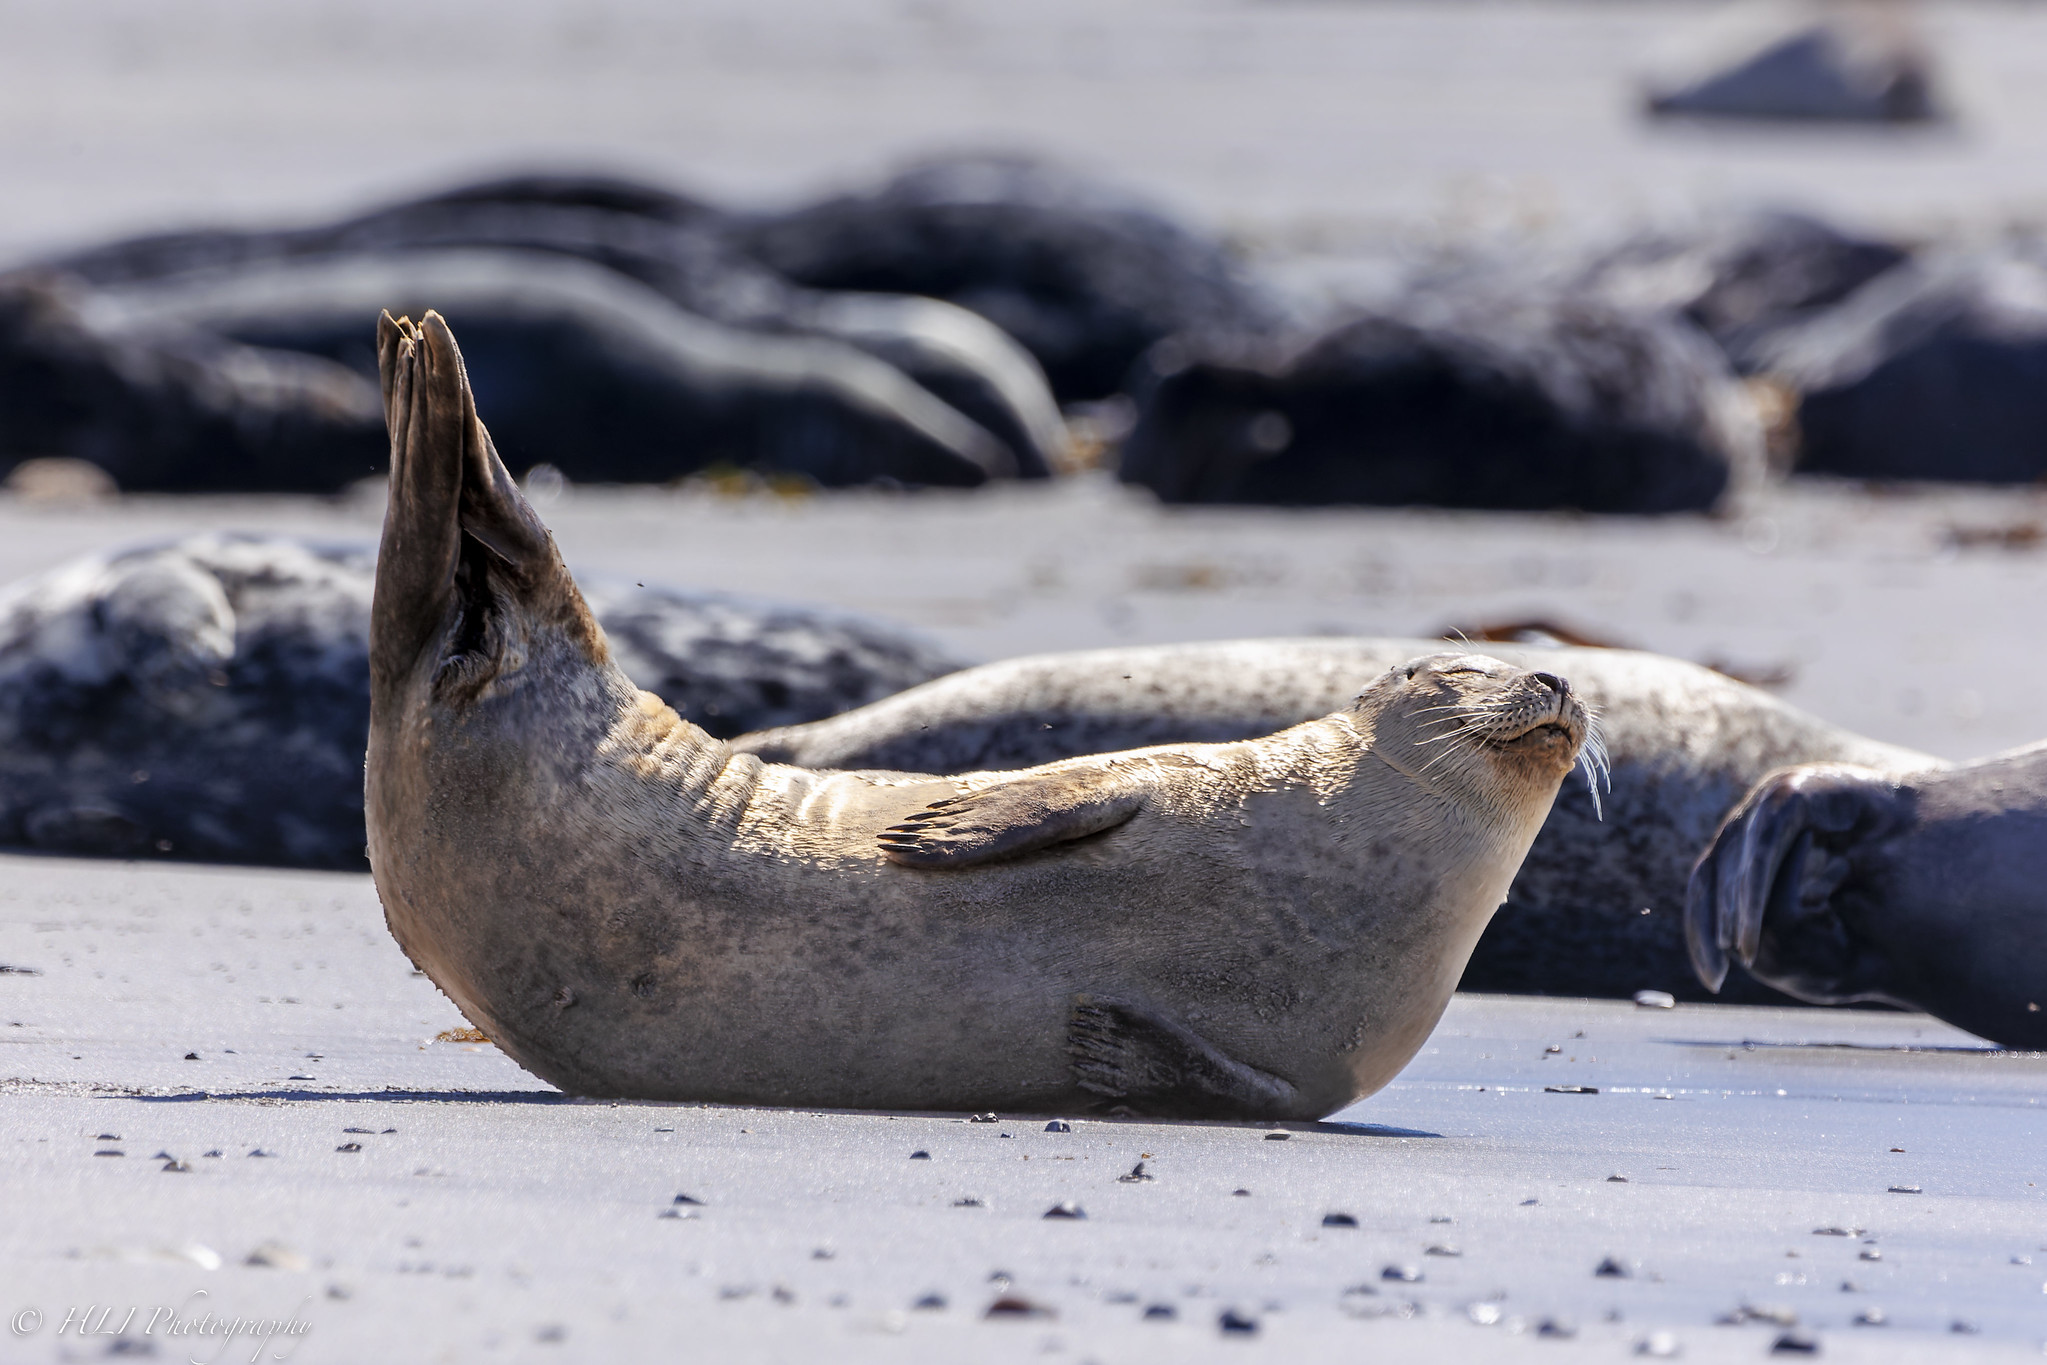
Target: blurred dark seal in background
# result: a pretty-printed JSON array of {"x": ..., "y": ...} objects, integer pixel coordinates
[
  {"x": 1082, "y": 275},
  {"x": 1452, "y": 398}
]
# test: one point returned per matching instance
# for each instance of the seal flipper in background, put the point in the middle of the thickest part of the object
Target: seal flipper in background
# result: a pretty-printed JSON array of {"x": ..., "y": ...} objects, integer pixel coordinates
[
  {"x": 1140, "y": 1063},
  {"x": 1011, "y": 818}
]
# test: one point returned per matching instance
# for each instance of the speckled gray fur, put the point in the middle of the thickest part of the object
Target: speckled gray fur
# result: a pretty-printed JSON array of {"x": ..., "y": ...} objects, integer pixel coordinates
[
  {"x": 1685, "y": 744},
  {"x": 209, "y": 698}
]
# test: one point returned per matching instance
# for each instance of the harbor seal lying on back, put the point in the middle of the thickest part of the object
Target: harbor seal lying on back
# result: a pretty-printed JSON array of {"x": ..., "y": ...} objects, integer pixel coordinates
[
  {"x": 1837, "y": 884},
  {"x": 628, "y": 907},
  {"x": 1684, "y": 743}
]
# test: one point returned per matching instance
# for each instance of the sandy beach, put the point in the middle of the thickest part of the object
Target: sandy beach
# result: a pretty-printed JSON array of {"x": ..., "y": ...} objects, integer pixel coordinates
[{"x": 1551, "y": 1178}]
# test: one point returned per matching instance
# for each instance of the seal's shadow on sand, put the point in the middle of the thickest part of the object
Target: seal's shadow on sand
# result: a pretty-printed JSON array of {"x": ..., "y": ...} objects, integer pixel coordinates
[
  {"x": 1367, "y": 1130},
  {"x": 352, "y": 1096},
  {"x": 1275, "y": 1131}
]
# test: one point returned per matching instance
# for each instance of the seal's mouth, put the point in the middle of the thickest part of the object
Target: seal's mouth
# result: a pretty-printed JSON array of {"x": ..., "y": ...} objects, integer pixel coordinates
[
  {"x": 1562, "y": 723},
  {"x": 1540, "y": 735},
  {"x": 1570, "y": 732}
]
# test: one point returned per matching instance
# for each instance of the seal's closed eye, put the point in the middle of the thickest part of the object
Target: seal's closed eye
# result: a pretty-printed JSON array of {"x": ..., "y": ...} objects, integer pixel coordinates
[{"x": 1010, "y": 818}]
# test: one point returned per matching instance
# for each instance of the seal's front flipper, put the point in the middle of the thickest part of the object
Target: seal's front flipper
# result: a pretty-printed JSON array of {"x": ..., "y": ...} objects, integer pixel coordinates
[
  {"x": 1780, "y": 889},
  {"x": 1011, "y": 818},
  {"x": 1140, "y": 1063}
]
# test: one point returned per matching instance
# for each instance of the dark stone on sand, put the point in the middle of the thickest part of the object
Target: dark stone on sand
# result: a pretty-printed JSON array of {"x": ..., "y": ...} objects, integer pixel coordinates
[
  {"x": 1234, "y": 1323},
  {"x": 1066, "y": 1209},
  {"x": 1847, "y": 64},
  {"x": 1453, "y": 397},
  {"x": 1935, "y": 370},
  {"x": 209, "y": 699},
  {"x": 1339, "y": 1220},
  {"x": 1083, "y": 276}
]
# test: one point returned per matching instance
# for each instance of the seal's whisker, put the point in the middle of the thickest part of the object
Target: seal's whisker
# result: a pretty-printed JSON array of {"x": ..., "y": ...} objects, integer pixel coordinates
[
  {"x": 1466, "y": 710},
  {"x": 1455, "y": 749},
  {"x": 1472, "y": 725},
  {"x": 1594, "y": 762}
]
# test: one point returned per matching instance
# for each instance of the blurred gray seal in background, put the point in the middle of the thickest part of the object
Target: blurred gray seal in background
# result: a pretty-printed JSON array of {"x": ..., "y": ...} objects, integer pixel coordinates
[
  {"x": 667, "y": 348},
  {"x": 1684, "y": 742},
  {"x": 643, "y": 391},
  {"x": 209, "y": 698},
  {"x": 1927, "y": 890},
  {"x": 1262, "y": 929}
]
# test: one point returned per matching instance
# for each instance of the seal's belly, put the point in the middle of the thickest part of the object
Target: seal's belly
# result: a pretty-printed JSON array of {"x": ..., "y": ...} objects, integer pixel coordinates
[{"x": 765, "y": 981}]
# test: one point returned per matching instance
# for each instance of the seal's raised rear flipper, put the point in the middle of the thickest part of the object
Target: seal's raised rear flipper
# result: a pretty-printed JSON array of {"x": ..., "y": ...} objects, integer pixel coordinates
[
  {"x": 1140, "y": 1063},
  {"x": 1011, "y": 818},
  {"x": 457, "y": 531}
]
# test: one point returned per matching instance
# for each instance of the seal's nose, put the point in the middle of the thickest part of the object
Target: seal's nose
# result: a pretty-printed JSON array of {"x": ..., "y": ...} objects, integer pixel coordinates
[{"x": 1555, "y": 684}]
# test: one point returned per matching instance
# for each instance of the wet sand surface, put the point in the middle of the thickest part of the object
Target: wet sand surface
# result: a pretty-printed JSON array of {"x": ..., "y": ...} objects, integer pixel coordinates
[{"x": 335, "y": 1155}]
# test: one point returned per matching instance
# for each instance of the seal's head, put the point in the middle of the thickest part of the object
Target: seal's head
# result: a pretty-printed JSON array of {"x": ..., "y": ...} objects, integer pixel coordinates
[{"x": 1480, "y": 731}]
